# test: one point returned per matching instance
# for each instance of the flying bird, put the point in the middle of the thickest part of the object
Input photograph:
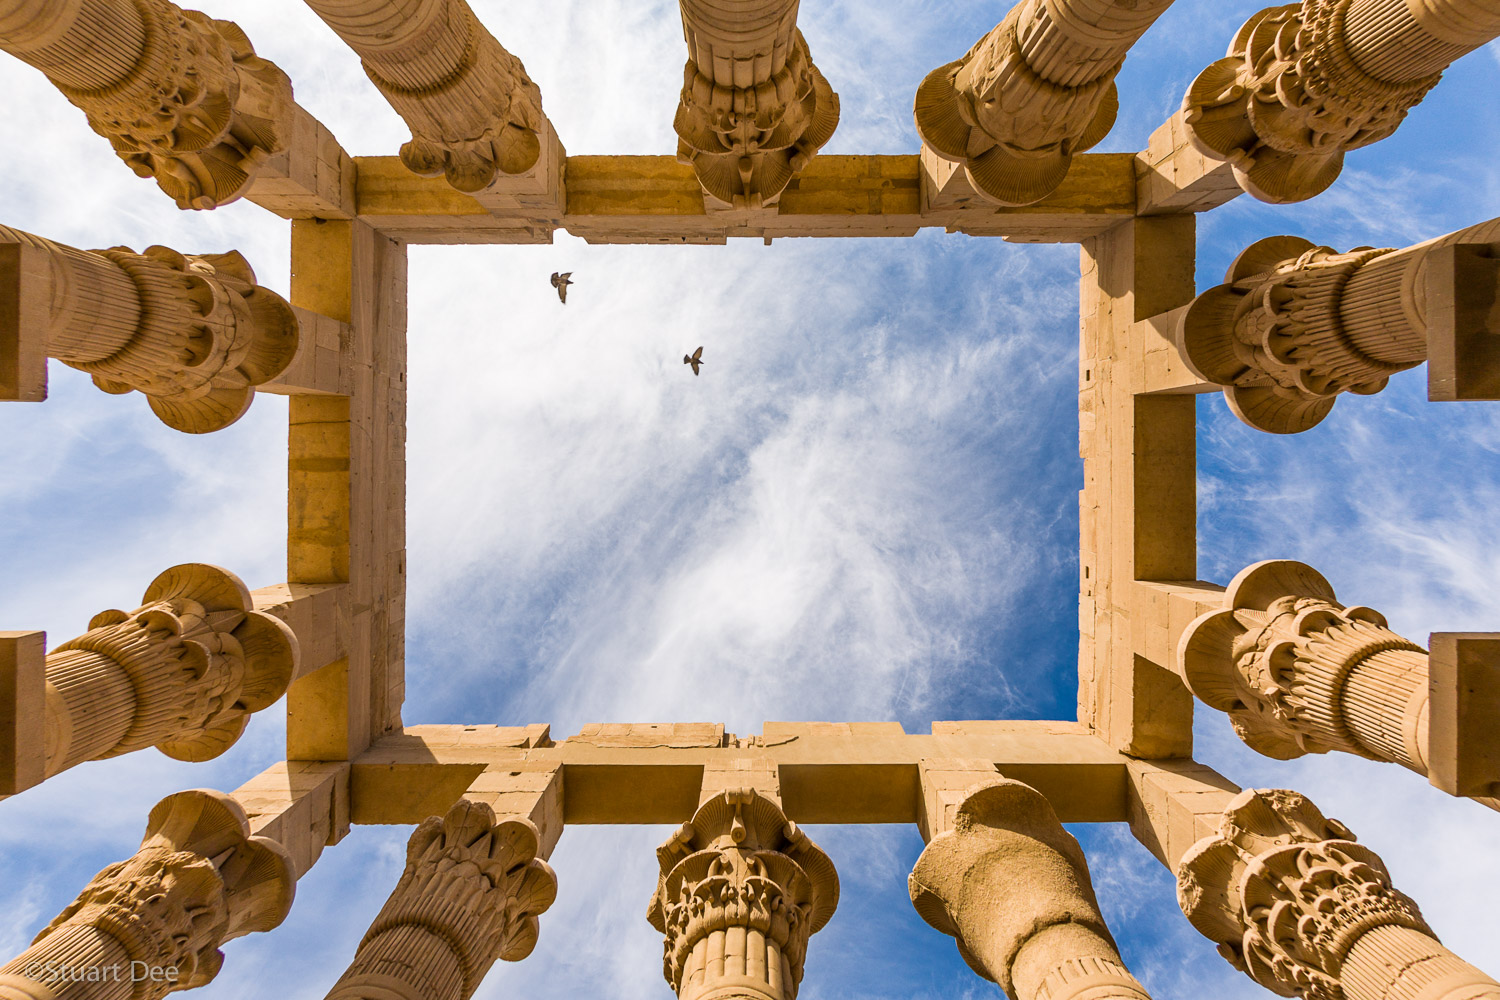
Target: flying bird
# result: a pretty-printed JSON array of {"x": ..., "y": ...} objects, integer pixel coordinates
[
  {"x": 695, "y": 359},
  {"x": 561, "y": 283}
]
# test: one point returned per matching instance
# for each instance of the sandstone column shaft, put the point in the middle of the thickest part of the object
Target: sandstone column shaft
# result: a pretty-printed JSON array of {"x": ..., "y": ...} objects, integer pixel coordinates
[
  {"x": 471, "y": 893},
  {"x": 180, "y": 96},
  {"x": 1013, "y": 888},
  {"x": 1294, "y": 902},
  {"x": 472, "y": 110},
  {"x": 195, "y": 334},
  {"x": 754, "y": 108},
  {"x": 198, "y": 880},
  {"x": 1295, "y": 325},
  {"x": 1305, "y": 83},
  {"x": 1031, "y": 93},
  {"x": 183, "y": 672}
]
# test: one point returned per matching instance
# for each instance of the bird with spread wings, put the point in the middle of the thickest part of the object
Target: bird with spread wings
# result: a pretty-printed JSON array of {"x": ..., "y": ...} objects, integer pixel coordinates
[
  {"x": 561, "y": 283},
  {"x": 695, "y": 359}
]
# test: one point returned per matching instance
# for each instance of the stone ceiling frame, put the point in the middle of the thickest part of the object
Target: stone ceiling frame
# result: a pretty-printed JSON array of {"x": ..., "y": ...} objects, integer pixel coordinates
[{"x": 1127, "y": 758}]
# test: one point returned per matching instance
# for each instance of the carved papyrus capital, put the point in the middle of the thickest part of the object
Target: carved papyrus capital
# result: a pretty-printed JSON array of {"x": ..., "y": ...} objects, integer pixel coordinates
[
  {"x": 180, "y": 96},
  {"x": 198, "y": 880},
  {"x": 473, "y": 111},
  {"x": 1011, "y": 886},
  {"x": 183, "y": 672},
  {"x": 1300, "y": 673},
  {"x": 1276, "y": 338},
  {"x": 195, "y": 334},
  {"x": 754, "y": 108},
  {"x": 471, "y": 893},
  {"x": 741, "y": 891},
  {"x": 1287, "y": 894},
  {"x": 1032, "y": 93},
  {"x": 1306, "y": 82}
]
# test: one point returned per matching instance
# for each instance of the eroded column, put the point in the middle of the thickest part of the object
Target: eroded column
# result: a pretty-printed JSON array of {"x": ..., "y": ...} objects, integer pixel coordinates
[
  {"x": 154, "y": 923},
  {"x": 195, "y": 334},
  {"x": 1304, "y": 83},
  {"x": 471, "y": 893},
  {"x": 1295, "y": 325},
  {"x": 180, "y": 96},
  {"x": 472, "y": 110},
  {"x": 1012, "y": 887},
  {"x": 754, "y": 108},
  {"x": 183, "y": 672},
  {"x": 741, "y": 891},
  {"x": 1031, "y": 93},
  {"x": 1297, "y": 905}
]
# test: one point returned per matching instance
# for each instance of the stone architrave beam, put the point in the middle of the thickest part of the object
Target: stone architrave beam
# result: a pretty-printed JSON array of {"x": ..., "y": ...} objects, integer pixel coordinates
[
  {"x": 195, "y": 334},
  {"x": 198, "y": 880},
  {"x": 742, "y": 889},
  {"x": 1032, "y": 93},
  {"x": 1012, "y": 887},
  {"x": 475, "y": 116},
  {"x": 754, "y": 109},
  {"x": 1295, "y": 325},
  {"x": 1305, "y": 83},
  {"x": 471, "y": 893},
  {"x": 183, "y": 672},
  {"x": 180, "y": 96},
  {"x": 1297, "y": 905}
]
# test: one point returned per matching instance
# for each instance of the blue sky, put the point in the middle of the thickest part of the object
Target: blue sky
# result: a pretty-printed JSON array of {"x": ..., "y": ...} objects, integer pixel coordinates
[{"x": 864, "y": 509}]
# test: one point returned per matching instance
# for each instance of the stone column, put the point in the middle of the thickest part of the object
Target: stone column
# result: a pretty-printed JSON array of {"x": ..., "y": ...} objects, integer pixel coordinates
[
  {"x": 471, "y": 893},
  {"x": 1305, "y": 82},
  {"x": 154, "y": 923},
  {"x": 195, "y": 334},
  {"x": 741, "y": 891},
  {"x": 180, "y": 96},
  {"x": 1012, "y": 887},
  {"x": 1031, "y": 93},
  {"x": 754, "y": 108},
  {"x": 1294, "y": 903},
  {"x": 472, "y": 110},
  {"x": 182, "y": 672},
  {"x": 1295, "y": 325}
]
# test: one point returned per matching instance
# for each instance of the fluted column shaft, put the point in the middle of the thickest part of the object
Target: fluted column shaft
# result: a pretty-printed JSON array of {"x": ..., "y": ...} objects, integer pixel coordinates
[
  {"x": 1033, "y": 92},
  {"x": 184, "y": 672},
  {"x": 1303, "y": 84},
  {"x": 472, "y": 110},
  {"x": 195, "y": 334},
  {"x": 1013, "y": 888},
  {"x": 754, "y": 108},
  {"x": 471, "y": 893},
  {"x": 1293, "y": 901},
  {"x": 1295, "y": 325},
  {"x": 180, "y": 96},
  {"x": 154, "y": 922}
]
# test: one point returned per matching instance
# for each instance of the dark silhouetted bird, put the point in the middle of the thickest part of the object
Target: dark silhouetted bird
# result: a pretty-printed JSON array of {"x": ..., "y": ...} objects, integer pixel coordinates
[
  {"x": 695, "y": 359},
  {"x": 561, "y": 283}
]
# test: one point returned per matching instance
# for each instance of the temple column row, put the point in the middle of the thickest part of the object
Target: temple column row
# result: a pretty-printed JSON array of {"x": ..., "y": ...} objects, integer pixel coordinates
[
  {"x": 1296, "y": 325},
  {"x": 195, "y": 334}
]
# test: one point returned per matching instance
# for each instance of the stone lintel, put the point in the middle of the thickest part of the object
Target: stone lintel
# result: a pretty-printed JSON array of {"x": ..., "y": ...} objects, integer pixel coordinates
[
  {"x": 23, "y": 710},
  {"x": 655, "y": 199},
  {"x": 1172, "y": 804},
  {"x": 25, "y": 292},
  {"x": 311, "y": 178},
  {"x": 302, "y": 805},
  {"x": 529, "y": 789},
  {"x": 1463, "y": 755},
  {"x": 539, "y": 194},
  {"x": 855, "y": 778},
  {"x": 1173, "y": 176},
  {"x": 323, "y": 365},
  {"x": 1463, "y": 322},
  {"x": 945, "y": 785},
  {"x": 317, "y": 613}
]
